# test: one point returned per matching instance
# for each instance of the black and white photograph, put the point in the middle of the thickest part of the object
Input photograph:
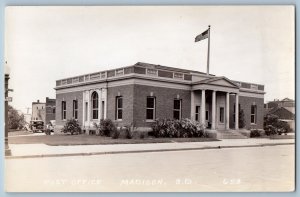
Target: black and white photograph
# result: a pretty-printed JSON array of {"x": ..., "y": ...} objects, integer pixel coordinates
[{"x": 149, "y": 98}]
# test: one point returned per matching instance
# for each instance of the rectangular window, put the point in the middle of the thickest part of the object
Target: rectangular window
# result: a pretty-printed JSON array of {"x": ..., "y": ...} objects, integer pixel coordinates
[
  {"x": 53, "y": 110},
  {"x": 197, "y": 114},
  {"x": 253, "y": 114},
  {"x": 206, "y": 115},
  {"x": 221, "y": 115},
  {"x": 119, "y": 108},
  {"x": 150, "y": 111},
  {"x": 75, "y": 109},
  {"x": 63, "y": 110},
  {"x": 177, "y": 109}
]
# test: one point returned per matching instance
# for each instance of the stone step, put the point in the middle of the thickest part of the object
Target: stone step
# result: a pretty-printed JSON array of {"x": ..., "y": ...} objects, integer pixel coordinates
[{"x": 230, "y": 134}]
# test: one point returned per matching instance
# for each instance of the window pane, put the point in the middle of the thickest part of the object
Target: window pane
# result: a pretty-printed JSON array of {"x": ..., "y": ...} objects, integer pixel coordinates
[
  {"x": 176, "y": 114},
  {"x": 176, "y": 104},
  {"x": 76, "y": 114},
  {"x": 252, "y": 118},
  {"x": 120, "y": 102},
  {"x": 206, "y": 115},
  {"x": 150, "y": 102},
  {"x": 150, "y": 114},
  {"x": 197, "y": 117},
  {"x": 252, "y": 109},
  {"x": 119, "y": 114},
  {"x": 197, "y": 109},
  {"x": 95, "y": 114}
]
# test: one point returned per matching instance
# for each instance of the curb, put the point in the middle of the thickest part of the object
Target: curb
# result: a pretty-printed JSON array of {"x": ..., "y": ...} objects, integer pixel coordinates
[{"x": 140, "y": 151}]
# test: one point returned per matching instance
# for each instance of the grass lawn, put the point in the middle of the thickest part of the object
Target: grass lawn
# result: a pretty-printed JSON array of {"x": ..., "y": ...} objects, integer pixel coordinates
[
  {"x": 18, "y": 132},
  {"x": 64, "y": 140}
]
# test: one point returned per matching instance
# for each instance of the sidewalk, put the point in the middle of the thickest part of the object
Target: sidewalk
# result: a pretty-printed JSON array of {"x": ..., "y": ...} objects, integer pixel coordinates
[{"x": 42, "y": 150}]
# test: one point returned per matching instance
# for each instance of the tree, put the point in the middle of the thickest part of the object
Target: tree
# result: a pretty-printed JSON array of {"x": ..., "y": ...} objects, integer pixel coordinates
[
  {"x": 15, "y": 120},
  {"x": 272, "y": 125}
]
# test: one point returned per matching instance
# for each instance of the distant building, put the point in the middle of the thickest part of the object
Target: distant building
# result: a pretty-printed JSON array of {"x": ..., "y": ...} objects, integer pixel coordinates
[
  {"x": 38, "y": 111},
  {"x": 43, "y": 111},
  {"x": 284, "y": 109},
  {"x": 50, "y": 110},
  {"x": 140, "y": 93}
]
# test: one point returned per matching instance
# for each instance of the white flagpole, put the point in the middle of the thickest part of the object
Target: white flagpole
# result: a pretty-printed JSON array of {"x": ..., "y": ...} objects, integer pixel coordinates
[{"x": 207, "y": 72}]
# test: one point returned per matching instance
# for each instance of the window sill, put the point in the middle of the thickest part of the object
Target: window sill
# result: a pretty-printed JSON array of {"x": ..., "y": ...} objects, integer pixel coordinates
[
  {"x": 150, "y": 120},
  {"x": 253, "y": 124}
]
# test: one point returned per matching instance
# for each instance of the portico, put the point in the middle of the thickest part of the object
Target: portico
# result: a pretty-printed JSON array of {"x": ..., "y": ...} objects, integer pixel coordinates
[{"x": 210, "y": 103}]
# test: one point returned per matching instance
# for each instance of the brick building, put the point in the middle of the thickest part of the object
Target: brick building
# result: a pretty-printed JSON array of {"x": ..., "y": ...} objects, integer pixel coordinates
[
  {"x": 50, "y": 110},
  {"x": 143, "y": 92},
  {"x": 43, "y": 111}
]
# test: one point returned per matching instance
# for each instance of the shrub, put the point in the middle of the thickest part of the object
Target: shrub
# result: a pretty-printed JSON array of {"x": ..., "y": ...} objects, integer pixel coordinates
[
  {"x": 105, "y": 128},
  {"x": 255, "y": 133},
  {"x": 72, "y": 127},
  {"x": 270, "y": 130},
  {"x": 142, "y": 135},
  {"x": 128, "y": 133},
  {"x": 115, "y": 134},
  {"x": 177, "y": 128}
]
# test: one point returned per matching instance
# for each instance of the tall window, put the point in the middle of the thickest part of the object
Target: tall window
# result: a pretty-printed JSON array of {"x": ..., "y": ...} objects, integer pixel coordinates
[
  {"x": 63, "y": 110},
  {"x": 75, "y": 109},
  {"x": 95, "y": 105},
  {"x": 221, "y": 115},
  {"x": 119, "y": 108},
  {"x": 177, "y": 109},
  {"x": 253, "y": 114},
  {"x": 206, "y": 115},
  {"x": 197, "y": 114},
  {"x": 150, "y": 114}
]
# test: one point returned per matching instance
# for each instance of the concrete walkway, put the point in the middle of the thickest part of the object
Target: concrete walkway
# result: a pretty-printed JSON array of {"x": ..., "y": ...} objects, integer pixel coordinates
[{"x": 42, "y": 150}]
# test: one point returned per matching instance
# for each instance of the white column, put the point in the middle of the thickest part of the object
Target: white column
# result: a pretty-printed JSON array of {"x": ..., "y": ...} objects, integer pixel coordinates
[
  {"x": 203, "y": 107},
  {"x": 236, "y": 111},
  {"x": 83, "y": 108},
  {"x": 89, "y": 108},
  {"x": 227, "y": 111},
  {"x": 193, "y": 105},
  {"x": 99, "y": 103},
  {"x": 105, "y": 102},
  {"x": 213, "y": 113}
]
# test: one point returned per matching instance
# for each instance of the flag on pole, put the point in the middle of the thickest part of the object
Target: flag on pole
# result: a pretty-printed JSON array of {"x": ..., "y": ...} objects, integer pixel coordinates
[{"x": 202, "y": 36}]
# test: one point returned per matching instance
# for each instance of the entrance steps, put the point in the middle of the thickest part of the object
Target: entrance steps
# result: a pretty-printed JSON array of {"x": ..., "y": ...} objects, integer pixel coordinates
[{"x": 229, "y": 134}]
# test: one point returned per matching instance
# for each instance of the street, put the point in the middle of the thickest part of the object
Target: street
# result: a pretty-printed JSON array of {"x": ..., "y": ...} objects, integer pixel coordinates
[{"x": 269, "y": 168}]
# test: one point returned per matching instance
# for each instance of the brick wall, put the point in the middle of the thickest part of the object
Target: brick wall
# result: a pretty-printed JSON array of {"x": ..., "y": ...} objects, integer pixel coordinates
[
  {"x": 245, "y": 104},
  {"x": 126, "y": 92},
  {"x": 68, "y": 97},
  {"x": 164, "y": 103}
]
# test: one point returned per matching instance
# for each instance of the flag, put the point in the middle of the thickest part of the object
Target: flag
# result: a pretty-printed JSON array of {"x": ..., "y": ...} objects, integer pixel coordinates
[{"x": 202, "y": 36}]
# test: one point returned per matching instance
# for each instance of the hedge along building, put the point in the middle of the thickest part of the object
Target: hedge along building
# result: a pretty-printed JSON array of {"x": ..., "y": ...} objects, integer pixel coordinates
[{"x": 141, "y": 93}]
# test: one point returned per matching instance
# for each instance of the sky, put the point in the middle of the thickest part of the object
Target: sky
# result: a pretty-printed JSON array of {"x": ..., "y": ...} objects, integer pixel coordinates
[{"x": 247, "y": 43}]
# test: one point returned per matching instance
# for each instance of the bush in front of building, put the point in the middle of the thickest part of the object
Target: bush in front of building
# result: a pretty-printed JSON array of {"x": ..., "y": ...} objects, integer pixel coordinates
[
  {"x": 106, "y": 127},
  {"x": 256, "y": 133},
  {"x": 72, "y": 127},
  {"x": 178, "y": 128}
]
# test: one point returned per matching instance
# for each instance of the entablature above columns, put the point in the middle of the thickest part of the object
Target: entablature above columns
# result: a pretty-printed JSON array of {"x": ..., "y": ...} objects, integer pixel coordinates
[{"x": 215, "y": 88}]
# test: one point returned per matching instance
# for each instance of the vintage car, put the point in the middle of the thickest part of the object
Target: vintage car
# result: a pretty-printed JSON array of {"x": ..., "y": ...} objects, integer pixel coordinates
[{"x": 37, "y": 125}]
